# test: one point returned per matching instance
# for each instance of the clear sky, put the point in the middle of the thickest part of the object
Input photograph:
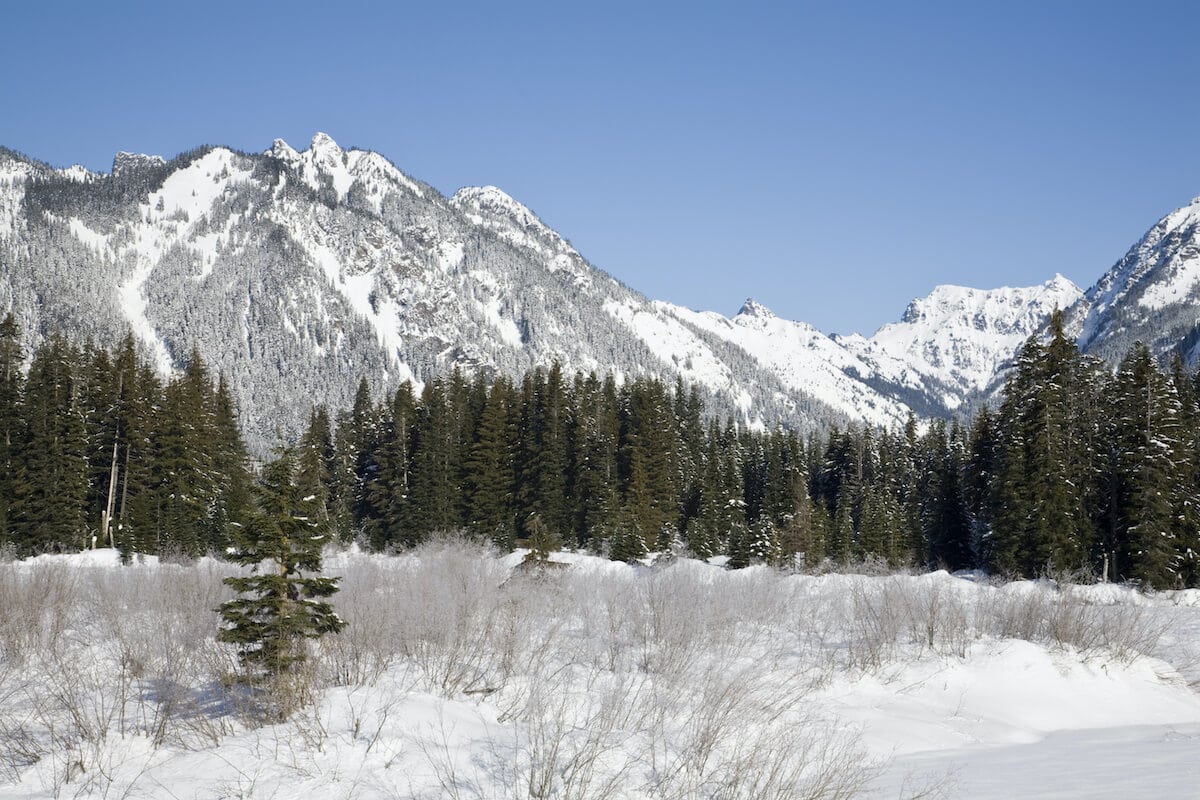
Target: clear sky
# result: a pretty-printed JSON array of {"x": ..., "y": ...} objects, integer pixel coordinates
[{"x": 833, "y": 160}]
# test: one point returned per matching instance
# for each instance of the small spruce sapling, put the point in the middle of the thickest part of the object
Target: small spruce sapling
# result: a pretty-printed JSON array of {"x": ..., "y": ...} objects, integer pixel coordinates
[
  {"x": 542, "y": 541},
  {"x": 278, "y": 608}
]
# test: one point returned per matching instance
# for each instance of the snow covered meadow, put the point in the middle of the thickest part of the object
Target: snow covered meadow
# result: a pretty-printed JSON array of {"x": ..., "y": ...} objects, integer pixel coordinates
[{"x": 462, "y": 675}]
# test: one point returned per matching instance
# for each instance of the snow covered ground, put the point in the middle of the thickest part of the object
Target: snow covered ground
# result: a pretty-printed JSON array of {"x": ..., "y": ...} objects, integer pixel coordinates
[{"x": 461, "y": 675}]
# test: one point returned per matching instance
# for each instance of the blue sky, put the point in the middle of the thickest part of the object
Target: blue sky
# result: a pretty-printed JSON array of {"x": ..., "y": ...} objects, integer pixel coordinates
[{"x": 832, "y": 160}]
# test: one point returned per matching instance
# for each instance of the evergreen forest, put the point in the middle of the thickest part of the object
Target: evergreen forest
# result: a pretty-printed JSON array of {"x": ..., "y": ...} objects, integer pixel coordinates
[{"x": 1079, "y": 469}]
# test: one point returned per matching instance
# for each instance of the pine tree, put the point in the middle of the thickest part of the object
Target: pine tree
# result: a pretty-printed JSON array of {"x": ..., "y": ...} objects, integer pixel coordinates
[
  {"x": 648, "y": 452},
  {"x": 186, "y": 488},
  {"x": 542, "y": 461},
  {"x": 50, "y": 484},
  {"x": 1187, "y": 514},
  {"x": 355, "y": 467},
  {"x": 594, "y": 434},
  {"x": 626, "y": 542},
  {"x": 689, "y": 424},
  {"x": 390, "y": 521},
  {"x": 947, "y": 525},
  {"x": 1154, "y": 470},
  {"x": 436, "y": 489},
  {"x": 278, "y": 607},
  {"x": 140, "y": 416},
  {"x": 740, "y": 546},
  {"x": 488, "y": 474},
  {"x": 1044, "y": 492},
  {"x": 541, "y": 539},
  {"x": 231, "y": 473},
  {"x": 316, "y": 461},
  {"x": 11, "y": 425},
  {"x": 764, "y": 542}
]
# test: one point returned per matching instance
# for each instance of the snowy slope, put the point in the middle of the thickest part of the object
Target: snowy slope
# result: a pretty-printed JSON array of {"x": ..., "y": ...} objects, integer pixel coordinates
[
  {"x": 1149, "y": 295},
  {"x": 945, "y": 351},
  {"x": 804, "y": 359},
  {"x": 951, "y": 345},
  {"x": 298, "y": 271}
]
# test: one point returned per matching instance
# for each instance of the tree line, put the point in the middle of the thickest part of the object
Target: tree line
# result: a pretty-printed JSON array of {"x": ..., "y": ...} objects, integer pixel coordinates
[
  {"x": 1079, "y": 469},
  {"x": 97, "y": 450}
]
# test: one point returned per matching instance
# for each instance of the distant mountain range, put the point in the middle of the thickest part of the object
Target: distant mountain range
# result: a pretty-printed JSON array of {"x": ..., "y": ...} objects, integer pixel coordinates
[{"x": 297, "y": 272}]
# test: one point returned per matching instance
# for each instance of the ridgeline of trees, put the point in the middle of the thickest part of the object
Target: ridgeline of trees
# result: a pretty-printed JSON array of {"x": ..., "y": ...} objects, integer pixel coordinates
[{"x": 1079, "y": 469}]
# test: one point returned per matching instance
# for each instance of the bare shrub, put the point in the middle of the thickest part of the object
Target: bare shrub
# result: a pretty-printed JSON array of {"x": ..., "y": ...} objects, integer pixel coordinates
[
  {"x": 447, "y": 597},
  {"x": 937, "y": 618},
  {"x": 737, "y": 738},
  {"x": 1064, "y": 618},
  {"x": 362, "y": 652},
  {"x": 37, "y": 599},
  {"x": 874, "y": 623}
]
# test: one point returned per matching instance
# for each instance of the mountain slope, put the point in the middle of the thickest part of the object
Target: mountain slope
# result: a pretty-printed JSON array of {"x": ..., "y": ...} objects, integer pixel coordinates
[
  {"x": 1150, "y": 295},
  {"x": 298, "y": 271},
  {"x": 950, "y": 346},
  {"x": 803, "y": 358}
]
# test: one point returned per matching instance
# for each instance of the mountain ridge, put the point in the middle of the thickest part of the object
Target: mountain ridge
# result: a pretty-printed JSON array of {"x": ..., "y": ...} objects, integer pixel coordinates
[{"x": 296, "y": 271}]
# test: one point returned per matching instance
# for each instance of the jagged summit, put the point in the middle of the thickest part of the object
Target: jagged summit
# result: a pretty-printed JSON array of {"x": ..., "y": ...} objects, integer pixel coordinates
[
  {"x": 282, "y": 150},
  {"x": 127, "y": 161},
  {"x": 753, "y": 308},
  {"x": 323, "y": 141},
  {"x": 490, "y": 200},
  {"x": 987, "y": 309}
]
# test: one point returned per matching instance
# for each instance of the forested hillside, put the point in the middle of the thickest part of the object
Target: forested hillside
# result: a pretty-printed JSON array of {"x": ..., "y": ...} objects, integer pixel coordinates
[{"x": 1079, "y": 469}]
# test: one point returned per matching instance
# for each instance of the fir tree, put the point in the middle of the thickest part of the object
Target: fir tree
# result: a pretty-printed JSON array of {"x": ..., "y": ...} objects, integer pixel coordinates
[
  {"x": 284, "y": 602},
  {"x": 489, "y": 473},
  {"x": 50, "y": 485},
  {"x": 948, "y": 531},
  {"x": 316, "y": 461},
  {"x": 11, "y": 433},
  {"x": 626, "y": 542},
  {"x": 436, "y": 490},
  {"x": 1048, "y": 461},
  {"x": 391, "y": 521},
  {"x": 1154, "y": 470},
  {"x": 595, "y": 432}
]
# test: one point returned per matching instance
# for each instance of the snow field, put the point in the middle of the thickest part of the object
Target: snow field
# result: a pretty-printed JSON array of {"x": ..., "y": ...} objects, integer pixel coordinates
[{"x": 462, "y": 675}]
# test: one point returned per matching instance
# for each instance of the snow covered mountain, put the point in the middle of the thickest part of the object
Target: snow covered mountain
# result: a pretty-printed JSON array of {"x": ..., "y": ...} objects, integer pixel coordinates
[
  {"x": 944, "y": 352},
  {"x": 949, "y": 347},
  {"x": 1151, "y": 295},
  {"x": 296, "y": 272}
]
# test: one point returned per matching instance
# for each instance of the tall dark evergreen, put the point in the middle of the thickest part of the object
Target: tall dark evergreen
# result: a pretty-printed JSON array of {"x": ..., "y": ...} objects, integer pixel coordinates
[
  {"x": 947, "y": 522},
  {"x": 11, "y": 423},
  {"x": 543, "y": 459},
  {"x": 648, "y": 451},
  {"x": 436, "y": 487},
  {"x": 490, "y": 480},
  {"x": 1154, "y": 472},
  {"x": 231, "y": 475},
  {"x": 316, "y": 462},
  {"x": 140, "y": 415},
  {"x": 595, "y": 481},
  {"x": 390, "y": 521},
  {"x": 50, "y": 485},
  {"x": 186, "y": 489},
  {"x": 357, "y": 437},
  {"x": 1048, "y": 464}
]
